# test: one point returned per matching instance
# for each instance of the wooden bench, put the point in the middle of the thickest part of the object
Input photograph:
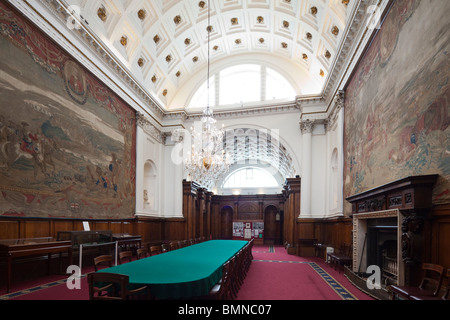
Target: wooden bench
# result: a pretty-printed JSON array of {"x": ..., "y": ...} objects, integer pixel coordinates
[
  {"x": 341, "y": 258},
  {"x": 306, "y": 247}
]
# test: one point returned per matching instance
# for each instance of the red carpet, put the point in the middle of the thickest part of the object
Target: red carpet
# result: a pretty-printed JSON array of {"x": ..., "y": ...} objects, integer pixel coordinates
[
  {"x": 279, "y": 276},
  {"x": 272, "y": 276}
]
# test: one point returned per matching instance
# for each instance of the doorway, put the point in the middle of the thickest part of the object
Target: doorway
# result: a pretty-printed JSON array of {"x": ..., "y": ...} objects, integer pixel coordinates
[
  {"x": 273, "y": 226},
  {"x": 226, "y": 223}
]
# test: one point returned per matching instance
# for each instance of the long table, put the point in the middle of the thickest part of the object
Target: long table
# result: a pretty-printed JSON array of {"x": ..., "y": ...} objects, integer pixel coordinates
[{"x": 183, "y": 273}]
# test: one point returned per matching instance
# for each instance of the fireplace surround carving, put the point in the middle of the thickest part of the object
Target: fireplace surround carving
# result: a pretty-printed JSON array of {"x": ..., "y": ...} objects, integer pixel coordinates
[{"x": 409, "y": 200}]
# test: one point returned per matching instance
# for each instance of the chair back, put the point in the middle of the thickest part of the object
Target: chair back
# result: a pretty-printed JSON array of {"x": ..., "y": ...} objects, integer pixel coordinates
[
  {"x": 142, "y": 253},
  {"x": 165, "y": 247},
  {"x": 446, "y": 295},
  {"x": 107, "y": 286},
  {"x": 101, "y": 260},
  {"x": 173, "y": 246},
  {"x": 125, "y": 255},
  {"x": 155, "y": 250},
  {"x": 433, "y": 275}
]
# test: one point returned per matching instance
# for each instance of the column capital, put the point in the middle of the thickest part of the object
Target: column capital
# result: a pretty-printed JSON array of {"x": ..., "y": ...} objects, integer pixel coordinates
[
  {"x": 306, "y": 126},
  {"x": 144, "y": 123}
]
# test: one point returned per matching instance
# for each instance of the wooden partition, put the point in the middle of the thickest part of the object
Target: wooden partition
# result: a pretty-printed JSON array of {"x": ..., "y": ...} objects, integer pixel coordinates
[{"x": 265, "y": 208}]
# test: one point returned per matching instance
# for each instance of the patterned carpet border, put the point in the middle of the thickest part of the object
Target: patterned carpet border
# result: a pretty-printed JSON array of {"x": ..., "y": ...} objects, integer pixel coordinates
[
  {"x": 270, "y": 250},
  {"x": 13, "y": 295},
  {"x": 333, "y": 283}
]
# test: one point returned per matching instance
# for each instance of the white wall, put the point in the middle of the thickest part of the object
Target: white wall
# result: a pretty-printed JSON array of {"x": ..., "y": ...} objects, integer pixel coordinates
[
  {"x": 319, "y": 172},
  {"x": 334, "y": 180},
  {"x": 163, "y": 183}
]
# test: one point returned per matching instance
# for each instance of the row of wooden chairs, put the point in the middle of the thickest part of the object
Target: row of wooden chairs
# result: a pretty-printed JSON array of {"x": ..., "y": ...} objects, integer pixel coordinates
[
  {"x": 174, "y": 245},
  {"x": 234, "y": 272},
  {"x": 124, "y": 256},
  {"x": 143, "y": 252},
  {"x": 430, "y": 286}
]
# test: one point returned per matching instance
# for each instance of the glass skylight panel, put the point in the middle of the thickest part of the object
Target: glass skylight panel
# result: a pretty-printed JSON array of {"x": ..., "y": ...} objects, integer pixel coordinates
[
  {"x": 240, "y": 84},
  {"x": 250, "y": 177}
]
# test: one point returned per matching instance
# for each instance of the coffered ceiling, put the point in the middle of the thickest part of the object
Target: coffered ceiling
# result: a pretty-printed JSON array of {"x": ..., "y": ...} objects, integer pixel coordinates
[{"x": 163, "y": 43}]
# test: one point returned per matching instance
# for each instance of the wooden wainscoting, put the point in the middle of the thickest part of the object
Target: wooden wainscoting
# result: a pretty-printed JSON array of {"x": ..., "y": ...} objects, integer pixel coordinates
[
  {"x": 440, "y": 235},
  {"x": 333, "y": 232}
]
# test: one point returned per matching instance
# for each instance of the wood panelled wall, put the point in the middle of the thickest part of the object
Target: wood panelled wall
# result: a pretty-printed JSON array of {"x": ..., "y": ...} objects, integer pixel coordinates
[{"x": 210, "y": 216}]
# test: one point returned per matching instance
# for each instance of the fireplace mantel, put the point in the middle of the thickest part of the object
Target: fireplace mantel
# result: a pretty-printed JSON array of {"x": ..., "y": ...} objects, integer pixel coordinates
[
  {"x": 408, "y": 199},
  {"x": 411, "y": 193}
]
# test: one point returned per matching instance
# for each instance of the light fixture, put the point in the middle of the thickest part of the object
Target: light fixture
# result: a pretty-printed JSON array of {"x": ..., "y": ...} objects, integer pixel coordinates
[{"x": 207, "y": 160}]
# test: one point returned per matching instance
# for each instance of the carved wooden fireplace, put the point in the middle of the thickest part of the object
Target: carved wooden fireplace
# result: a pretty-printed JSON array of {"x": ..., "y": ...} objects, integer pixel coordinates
[{"x": 390, "y": 225}]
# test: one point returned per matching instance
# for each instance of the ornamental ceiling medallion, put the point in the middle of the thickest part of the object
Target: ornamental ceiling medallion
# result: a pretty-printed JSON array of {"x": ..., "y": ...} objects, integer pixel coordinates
[
  {"x": 101, "y": 13},
  {"x": 142, "y": 14}
]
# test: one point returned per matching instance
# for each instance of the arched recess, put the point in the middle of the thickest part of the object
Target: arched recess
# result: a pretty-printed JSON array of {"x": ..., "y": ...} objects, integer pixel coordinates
[
  {"x": 150, "y": 186},
  {"x": 259, "y": 147},
  {"x": 226, "y": 223},
  {"x": 334, "y": 181},
  {"x": 273, "y": 225}
]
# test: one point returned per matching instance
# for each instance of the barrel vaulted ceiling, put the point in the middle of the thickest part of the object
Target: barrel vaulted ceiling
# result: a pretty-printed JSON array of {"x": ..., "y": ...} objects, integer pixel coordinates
[{"x": 160, "y": 47}]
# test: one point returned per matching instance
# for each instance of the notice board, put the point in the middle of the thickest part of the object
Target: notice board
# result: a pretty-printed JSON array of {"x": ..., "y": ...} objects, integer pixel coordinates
[{"x": 247, "y": 230}]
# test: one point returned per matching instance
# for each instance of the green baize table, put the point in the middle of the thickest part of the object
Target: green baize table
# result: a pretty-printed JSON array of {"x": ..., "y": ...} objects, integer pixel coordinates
[{"x": 182, "y": 273}]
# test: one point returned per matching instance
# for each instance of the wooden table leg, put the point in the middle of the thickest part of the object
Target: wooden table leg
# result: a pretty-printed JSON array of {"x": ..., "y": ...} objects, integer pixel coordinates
[
  {"x": 8, "y": 273},
  {"x": 48, "y": 263}
]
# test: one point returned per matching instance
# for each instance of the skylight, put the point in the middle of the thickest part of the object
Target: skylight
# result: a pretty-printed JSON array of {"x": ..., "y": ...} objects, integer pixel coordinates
[
  {"x": 243, "y": 83},
  {"x": 250, "y": 177}
]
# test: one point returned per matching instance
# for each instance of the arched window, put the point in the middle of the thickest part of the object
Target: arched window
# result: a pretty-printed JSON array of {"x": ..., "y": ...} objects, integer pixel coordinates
[
  {"x": 250, "y": 177},
  {"x": 243, "y": 83}
]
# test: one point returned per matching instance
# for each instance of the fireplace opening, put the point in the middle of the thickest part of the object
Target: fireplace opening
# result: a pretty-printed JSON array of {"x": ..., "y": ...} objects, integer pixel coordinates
[{"x": 382, "y": 248}]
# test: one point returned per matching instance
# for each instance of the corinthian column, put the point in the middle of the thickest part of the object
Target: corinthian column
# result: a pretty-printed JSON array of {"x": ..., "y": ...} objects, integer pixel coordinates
[{"x": 306, "y": 127}]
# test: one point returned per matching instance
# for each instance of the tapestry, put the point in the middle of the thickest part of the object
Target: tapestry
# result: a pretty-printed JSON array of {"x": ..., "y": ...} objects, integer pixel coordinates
[
  {"x": 396, "y": 104},
  {"x": 67, "y": 142}
]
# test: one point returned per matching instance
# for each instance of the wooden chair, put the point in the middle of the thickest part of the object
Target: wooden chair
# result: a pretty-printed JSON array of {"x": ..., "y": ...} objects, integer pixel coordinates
[
  {"x": 221, "y": 291},
  {"x": 114, "y": 286},
  {"x": 154, "y": 250},
  {"x": 102, "y": 260},
  {"x": 142, "y": 253},
  {"x": 235, "y": 281},
  {"x": 125, "y": 255},
  {"x": 445, "y": 295},
  {"x": 165, "y": 247},
  {"x": 173, "y": 246},
  {"x": 430, "y": 285}
]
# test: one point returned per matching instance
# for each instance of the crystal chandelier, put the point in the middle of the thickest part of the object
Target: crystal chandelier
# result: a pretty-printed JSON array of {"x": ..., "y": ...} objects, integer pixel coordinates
[{"x": 207, "y": 161}]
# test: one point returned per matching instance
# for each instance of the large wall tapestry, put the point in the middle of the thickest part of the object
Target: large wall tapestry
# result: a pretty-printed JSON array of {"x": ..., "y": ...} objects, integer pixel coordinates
[
  {"x": 396, "y": 110},
  {"x": 67, "y": 142}
]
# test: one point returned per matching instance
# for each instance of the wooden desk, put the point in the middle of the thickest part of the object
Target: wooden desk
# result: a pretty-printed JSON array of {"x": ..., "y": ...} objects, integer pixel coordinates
[
  {"x": 16, "y": 248},
  {"x": 127, "y": 241}
]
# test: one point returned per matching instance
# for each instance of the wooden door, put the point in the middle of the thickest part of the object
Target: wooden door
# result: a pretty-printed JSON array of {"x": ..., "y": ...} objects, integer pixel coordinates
[
  {"x": 272, "y": 226},
  {"x": 226, "y": 223}
]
